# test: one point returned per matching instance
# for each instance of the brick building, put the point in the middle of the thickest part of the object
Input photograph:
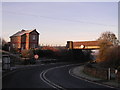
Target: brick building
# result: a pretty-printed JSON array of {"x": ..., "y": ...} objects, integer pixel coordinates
[{"x": 24, "y": 39}]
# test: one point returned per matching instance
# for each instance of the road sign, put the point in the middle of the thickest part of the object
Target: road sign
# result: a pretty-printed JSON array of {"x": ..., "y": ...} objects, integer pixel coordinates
[{"x": 36, "y": 56}]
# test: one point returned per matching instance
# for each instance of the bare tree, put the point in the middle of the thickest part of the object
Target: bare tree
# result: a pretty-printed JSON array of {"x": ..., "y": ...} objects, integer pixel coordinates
[
  {"x": 102, "y": 51},
  {"x": 110, "y": 37},
  {"x": 2, "y": 42},
  {"x": 106, "y": 40}
]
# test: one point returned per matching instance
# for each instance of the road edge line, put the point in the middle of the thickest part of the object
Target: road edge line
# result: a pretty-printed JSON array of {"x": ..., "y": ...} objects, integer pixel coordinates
[{"x": 78, "y": 77}]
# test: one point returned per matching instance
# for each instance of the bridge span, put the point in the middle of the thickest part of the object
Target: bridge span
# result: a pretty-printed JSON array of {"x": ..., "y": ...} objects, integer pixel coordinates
[{"x": 87, "y": 45}]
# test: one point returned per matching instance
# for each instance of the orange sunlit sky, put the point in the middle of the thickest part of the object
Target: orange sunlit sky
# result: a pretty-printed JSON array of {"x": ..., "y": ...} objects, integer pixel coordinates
[{"x": 58, "y": 22}]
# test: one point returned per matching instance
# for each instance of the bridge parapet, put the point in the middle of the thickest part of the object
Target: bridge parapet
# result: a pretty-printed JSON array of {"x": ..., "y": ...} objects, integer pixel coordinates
[{"x": 83, "y": 45}]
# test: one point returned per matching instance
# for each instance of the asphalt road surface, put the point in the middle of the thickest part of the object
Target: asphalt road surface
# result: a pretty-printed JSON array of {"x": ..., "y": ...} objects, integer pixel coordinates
[{"x": 46, "y": 76}]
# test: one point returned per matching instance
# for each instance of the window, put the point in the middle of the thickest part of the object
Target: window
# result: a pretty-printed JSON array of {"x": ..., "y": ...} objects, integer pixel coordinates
[
  {"x": 33, "y": 36},
  {"x": 13, "y": 45},
  {"x": 34, "y": 45},
  {"x": 23, "y": 46}
]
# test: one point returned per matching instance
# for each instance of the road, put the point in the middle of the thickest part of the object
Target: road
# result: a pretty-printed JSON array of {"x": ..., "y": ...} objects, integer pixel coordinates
[{"x": 46, "y": 76}]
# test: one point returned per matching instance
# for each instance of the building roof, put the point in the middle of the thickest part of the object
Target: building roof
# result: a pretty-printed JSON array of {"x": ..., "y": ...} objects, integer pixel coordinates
[{"x": 20, "y": 33}]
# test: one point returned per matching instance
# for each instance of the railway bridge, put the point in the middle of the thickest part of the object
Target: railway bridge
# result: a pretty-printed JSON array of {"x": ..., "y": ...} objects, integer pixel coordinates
[
  {"x": 79, "y": 49},
  {"x": 83, "y": 45},
  {"x": 91, "y": 45}
]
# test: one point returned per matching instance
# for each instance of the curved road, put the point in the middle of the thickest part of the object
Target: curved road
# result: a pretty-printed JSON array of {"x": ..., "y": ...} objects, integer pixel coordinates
[{"x": 46, "y": 76}]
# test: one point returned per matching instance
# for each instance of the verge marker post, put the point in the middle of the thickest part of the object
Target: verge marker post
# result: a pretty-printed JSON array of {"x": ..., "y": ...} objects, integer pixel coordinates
[
  {"x": 116, "y": 71},
  {"x": 109, "y": 74}
]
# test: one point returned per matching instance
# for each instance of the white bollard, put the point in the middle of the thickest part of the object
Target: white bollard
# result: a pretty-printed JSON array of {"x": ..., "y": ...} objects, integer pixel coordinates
[
  {"x": 116, "y": 71},
  {"x": 109, "y": 74}
]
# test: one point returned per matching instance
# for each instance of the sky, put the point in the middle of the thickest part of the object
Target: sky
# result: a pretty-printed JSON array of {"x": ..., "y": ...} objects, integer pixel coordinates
[{"x": 59, "y": 22}]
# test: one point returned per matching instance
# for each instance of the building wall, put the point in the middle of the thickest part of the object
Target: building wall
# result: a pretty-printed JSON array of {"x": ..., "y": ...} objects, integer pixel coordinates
[
  {"x": 23, "y": 41},
  {"x": 15, "y": 42},
  {"x": 33, "y": 39},
  {"x": 101, "y": 72},
  {"x": 27, "y": 41},
  {"x": 96, "y": 72}
]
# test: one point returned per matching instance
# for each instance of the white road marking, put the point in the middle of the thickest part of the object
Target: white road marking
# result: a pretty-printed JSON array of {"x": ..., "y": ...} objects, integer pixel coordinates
[
  {"x": 45, "y": 80},
  {"x": 88, "y": 80},
  {"x": 48, "y": 81},
  {"x": 71, "y": 75},
  {"x": 42, "y": 76}
]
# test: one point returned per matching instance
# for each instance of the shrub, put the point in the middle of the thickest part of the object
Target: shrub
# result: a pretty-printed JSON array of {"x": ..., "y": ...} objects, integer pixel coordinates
[
  {"x": 65, "y": 55},
  {"x": 27, "y": 54},
  {"x": 111, "y": 57},
  {"x": 45, "y": 53},
  {"x": 104, "y": 45}
]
